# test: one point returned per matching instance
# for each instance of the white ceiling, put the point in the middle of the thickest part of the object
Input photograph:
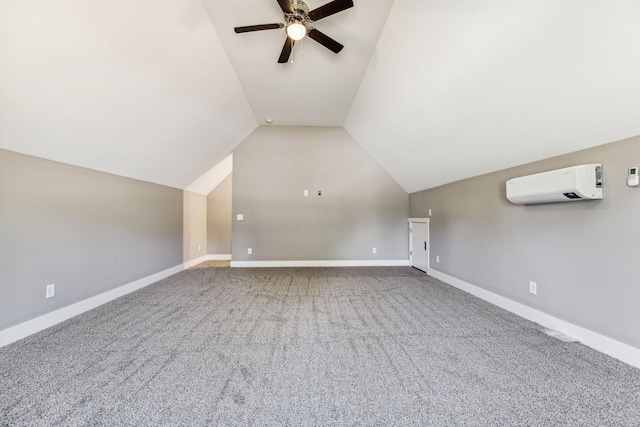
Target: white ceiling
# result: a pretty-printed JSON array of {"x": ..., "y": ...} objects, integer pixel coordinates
[
  {"x": 435, "y": 90},
  {"x": 317, "y": 89},
  {"x": 139, "y": 88},
  {"x": 483, "y": 85}
]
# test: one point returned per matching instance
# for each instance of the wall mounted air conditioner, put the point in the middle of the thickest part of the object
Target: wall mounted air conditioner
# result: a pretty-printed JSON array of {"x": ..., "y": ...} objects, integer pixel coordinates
[{"x": 582, "y": 182}]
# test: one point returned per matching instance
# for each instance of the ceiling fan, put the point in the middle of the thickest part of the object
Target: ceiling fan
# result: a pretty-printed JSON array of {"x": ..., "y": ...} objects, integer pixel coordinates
[{"x": 299, "y": 23}]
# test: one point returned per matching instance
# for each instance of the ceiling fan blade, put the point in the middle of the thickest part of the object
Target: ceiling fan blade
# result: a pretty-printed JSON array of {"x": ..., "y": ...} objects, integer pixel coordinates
[
  {"x": 286, "y": 51},
  {"x": 285, "y": 5},
  {"x": 325, "y": 41},
  {"x": 249, "y": 28},
  {"x": 330, "y": 9}
]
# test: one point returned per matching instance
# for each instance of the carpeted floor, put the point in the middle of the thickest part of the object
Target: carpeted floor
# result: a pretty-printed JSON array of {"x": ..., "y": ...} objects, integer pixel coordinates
[{"x": 308, "y": 346}]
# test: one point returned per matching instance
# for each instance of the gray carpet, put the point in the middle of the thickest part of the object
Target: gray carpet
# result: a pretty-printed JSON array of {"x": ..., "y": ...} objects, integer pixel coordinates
[{"x": 317, "y": 346}]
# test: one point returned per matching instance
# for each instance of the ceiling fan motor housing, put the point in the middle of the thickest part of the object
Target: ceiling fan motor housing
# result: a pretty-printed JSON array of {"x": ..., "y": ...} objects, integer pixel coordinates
[{"x": 300, "y": 8}]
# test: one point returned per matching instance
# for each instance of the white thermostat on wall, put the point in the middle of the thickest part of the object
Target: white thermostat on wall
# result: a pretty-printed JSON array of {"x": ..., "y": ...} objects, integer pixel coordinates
[{"x": 633, "y": 179}]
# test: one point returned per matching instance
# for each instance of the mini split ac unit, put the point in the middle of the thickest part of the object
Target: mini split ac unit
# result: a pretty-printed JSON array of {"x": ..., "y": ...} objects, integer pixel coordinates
[{"x": 582, "y": 182}]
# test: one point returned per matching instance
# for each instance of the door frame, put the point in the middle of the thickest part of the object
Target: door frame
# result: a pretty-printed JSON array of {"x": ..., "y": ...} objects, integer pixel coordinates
[{"x": 420, "y": 220}]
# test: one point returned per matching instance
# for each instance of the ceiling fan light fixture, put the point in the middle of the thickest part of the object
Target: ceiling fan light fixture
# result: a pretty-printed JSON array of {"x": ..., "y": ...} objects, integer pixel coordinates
[
  {"x": 296, "y": 30},
  {"x": 299, "y": 23}
]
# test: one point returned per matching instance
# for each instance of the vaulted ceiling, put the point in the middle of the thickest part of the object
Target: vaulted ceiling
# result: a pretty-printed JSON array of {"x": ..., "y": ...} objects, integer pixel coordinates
[{"x": 434, "y": 90}]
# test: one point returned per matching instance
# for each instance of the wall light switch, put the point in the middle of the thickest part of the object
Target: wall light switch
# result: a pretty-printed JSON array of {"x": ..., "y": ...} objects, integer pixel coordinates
[
  {"x": 240, "y": 217},
  {"x": 429, "y": 212},
  {"x": 249, "y": 251},
  {"x": 306, "y": 193},
  {"x": 438, "y": 259},
  {"x": 51, "y": 290},
  {"x": 533, "y": 288}
]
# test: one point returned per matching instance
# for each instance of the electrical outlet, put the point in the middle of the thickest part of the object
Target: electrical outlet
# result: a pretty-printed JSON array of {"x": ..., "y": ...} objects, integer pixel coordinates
[
  {"x": 438, "y": 259},
  {"x": 51, "y": 290},
  {"x": 199, "y": 248},
  {"x": 429, "y": 212},
  {"x": 533, "y": 288},
  {"x": 240, "y": 217},
  {"x": 306, "y": 193},
  {"x": 374, "y": 251},
  {"x": 249, "y": 251}
]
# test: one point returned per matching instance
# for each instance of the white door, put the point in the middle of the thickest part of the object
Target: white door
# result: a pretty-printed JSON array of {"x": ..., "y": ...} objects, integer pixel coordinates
[{"x": 419, "y": 241}]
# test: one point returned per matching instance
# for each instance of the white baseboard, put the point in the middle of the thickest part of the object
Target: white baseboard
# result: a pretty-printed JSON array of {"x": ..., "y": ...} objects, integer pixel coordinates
[
  {"x": 219, "y": 257},
  {"x": 23, "y": 330},
  {"x": 603, "y": 344},
  {"x": 321, "y": 263},
  {"x": 196, "y": 261},
  {"x": 609, "y": 346}
]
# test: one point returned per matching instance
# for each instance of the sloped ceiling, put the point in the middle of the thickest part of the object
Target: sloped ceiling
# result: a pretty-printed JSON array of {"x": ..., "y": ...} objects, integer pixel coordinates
[
  {"x": 456, "y": 89},
  {"x": 435, "y": 90},
  {"x": 138, "y": 88}
]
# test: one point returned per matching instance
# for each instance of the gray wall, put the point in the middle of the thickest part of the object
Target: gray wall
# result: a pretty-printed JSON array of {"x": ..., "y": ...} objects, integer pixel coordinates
[
  {"x": 219, "y": 208},
  {"x": 85, "y": 231},
  {"x": 195, "y": 226},
  {"x": 361, "y": 205},
  {"x": 583, "y": 255}
]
